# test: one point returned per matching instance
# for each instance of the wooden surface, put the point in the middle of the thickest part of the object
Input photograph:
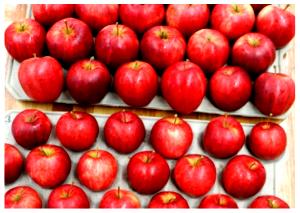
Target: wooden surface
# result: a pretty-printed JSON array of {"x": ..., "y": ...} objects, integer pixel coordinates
[{"x": 286, "y": 190}]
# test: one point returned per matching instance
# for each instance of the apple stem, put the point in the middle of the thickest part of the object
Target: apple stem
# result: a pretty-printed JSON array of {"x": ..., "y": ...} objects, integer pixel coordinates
[
  {"x": 175, "y": 118},
  {"x": 117, "y": 23},
  {"x": 34, "y": 55},
  {"x": 124, "y": 116},
  {"x": 118, "y": 193},
  {"x": 286, "y": 7},
  {"x": 67, "y": 27}
]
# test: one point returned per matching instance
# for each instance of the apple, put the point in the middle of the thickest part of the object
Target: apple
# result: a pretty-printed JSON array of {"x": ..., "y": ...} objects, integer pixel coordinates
[
  {"x": 168, "y": 199},
  {"x": 68, "y": 196},
  {"x": 187, "y": 18},
  {"x": 162, "y": 46},
  {"x": 194, "y": 174},
  {"x": 218, "y": 201},
  {"x": 258, "y": 7},
  {"x": 171, "y": 137},
  {"x": 141, "y": 17},
  {"x": 76, "y": 130},
  {"x": 147, "y": 172},
  {"x": 97, "y": 169},
  {"x": 97, "y": 16},
  {"x": 136, "y": 83},
  {"x": 274, "y": 93},
  {"x": 225, "y": 82},
  {"x": 116, "y": 44},
  {"x": 42, "y": 79},
  {"x": 223, "y": 137},
  {"x": 254, "y": 52},
  {"x": 48, "y": 165},
  {"x": 268, "y": 201},
  {"x": 22, "y": 197},
  {"x": 209, "y": 49},
  {"x": 13, "y": 163},
  {"x": 31, "y": 128},
  {"x": 276, "y": 23},
  {"x": 124, "y": 131},
  {"x": 48, "y": 14},
  {"x": 24, "y": 39},
  {"x": 267, "y": 140},
  {"x": 183, "y": 86},
  {"x": 243, "y": 176},
  {"x": 69, "y": 40},
  {"x": 119, "y": 198}
]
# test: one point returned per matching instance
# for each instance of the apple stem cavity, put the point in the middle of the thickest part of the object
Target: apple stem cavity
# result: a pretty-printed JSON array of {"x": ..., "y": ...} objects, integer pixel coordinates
[
  {"x": 75, "y": 115},
  {"x": 221, "y": 201},
  {"x": 124, "y": 118},
  {"x": 163, "y": 34},
  {"x": 272, "y": 203},
  {"x": 253, "y": 165},
  {"x": 46, "y": 152},
  {"x": 31, "y": 119},
  {"x": 236, "y": 8},
  {"x": 68, "y": 30}
]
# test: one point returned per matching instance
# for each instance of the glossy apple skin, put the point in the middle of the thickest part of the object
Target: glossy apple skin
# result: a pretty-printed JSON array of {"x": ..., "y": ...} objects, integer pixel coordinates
[
  {"x": 162, "y": 46},
  {"x": 141, "y": 17},
  {"x": 69, "y": 40},
  {"x": 268, "y": 201},
  {"x": 218, "y": 201},
  {"x": 136, "y": 83},
  {"x": 119, "y": 198},
  {"x": 233, "y": 20},
  {"x": 77, "y": 131},
  {"x": 267, "y": 140},
  {"x": 168, "y": 199},
  {"x": 187, "y": 18},
  {"x": 28, "y": 198},
  {"x": 230, "y": 80},
  {"x": 243, "y": 176},
  {"x": 48, "y": 14},
  {"x": 183, "y": 86},
  {"x": 48, "y": 165},
  {"x": 42, "y": 79},
  {"x": 31, "y": 128},
  {"x": 97, "y": 169},
  {"x": 276, "y": 23},
  {"x": 13, "y": 163},
  {"x": 97, "y": 16},
  {"x": 258, "y": 7},
  {"x": 124, "y": 131},
  {"x": 254, "y": 52},
  {"x": 147, "y": 172},
  {"x": 209, "y": 49},
  {"x": 68, "y": 196},
  {"x": 223, "y": 137},
  {"x": 24, "y": 39},
  {"x": 274, "y": 93},
  {"x": 171, "y": 137},
  {"x": 194, "y": 174}
]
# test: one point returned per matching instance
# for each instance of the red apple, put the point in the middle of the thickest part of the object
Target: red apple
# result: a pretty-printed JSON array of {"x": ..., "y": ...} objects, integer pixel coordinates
[
  {"x": 97, "y": 169},
  {"x": 194, "y": 174},
  {"x": 227, "y": 81},
  {"x": 119, "y": 198},
  {"x": 218, "y": 201},
  {"x": 147, "y": 172},
  {"x": 116, "y": 44},
  {"x": 223, "y": 137},
  {"x": 274, "y": 93},
  {"x": 48, "y": 14},
  {"x": 31, "y": 128},
  {"x": 171, "y": 137},
  {"x": 254, "y": 52},
  {"x": 13, "y": 163},
  {"x": 183, "y": 86},
  {"x": 124, "y": 131},
  {"x": 243, "y": 176},
  {"x": 168, "y": 199},
  {"x": 209, "y": 49},
  {"x": 136, "y": 83},
  {"x": 76, "y": 130},
  {"x": 42, "y": 79},
  {"x": 141, "y": 17},
  {"x": 68, "y": 196},
  {"x": 24, "y": 39},
  {"x": 162, "y": 46},
  {"x": 268, "y": 201},
  {"x": 187, "y": 18},
  {"x": 258, "y": 7},
  {"x": 22, "y": 197},
  {"x": 48, "y": 165},
  {"x": 276, "y": 23},
  {"x": 69, "y": 40}
]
